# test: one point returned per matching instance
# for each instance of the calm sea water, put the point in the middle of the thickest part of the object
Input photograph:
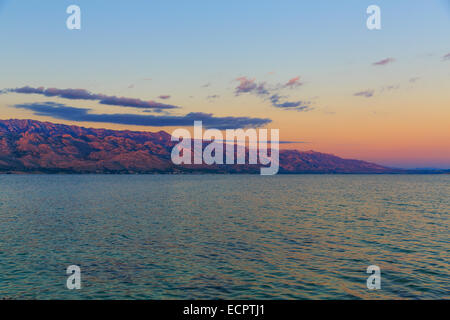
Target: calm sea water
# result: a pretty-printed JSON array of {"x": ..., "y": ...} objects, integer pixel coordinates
[{"x": 224, "y": 236}]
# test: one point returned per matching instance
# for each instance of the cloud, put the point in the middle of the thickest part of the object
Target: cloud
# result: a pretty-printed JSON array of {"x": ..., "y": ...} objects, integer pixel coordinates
[
  {"x": 82, "y": 94},
  {"x": 164, "y": 96},
  {"x": 294, "y": 105},
  {"x": 214, "y": 96},
  {"x": 293, "y": 83},
  {"x": 383, "y": 62},
  {"x": 63, "y": 112},
  {"x": 414, "y": 79},
  {"x": 390, "y": 87},
  {"x": 242, "y": 141},
  {"x": 27, "y": 90},
  {"x": 369, "y": 93},
  {"x": 291, "y": 142},
  {"x": 366, "y": 93},
  {"x": 247, "y": 85},
  {"x": 271, "y": 93},
  {"x": 134, "y": 103},
  {"x": 446, "y": 57}
]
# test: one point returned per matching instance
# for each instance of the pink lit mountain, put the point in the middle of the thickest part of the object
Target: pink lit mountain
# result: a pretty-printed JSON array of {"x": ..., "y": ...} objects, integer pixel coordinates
[{"x": 28, "y": 146}]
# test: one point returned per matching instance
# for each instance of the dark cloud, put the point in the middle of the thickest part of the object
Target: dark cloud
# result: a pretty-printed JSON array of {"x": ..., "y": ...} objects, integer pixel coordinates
[
  {"x": 247, "y": 85},
  {"x": 164, "y": 97},
  {"x": 292, "y": 142},
  {"x": 63, "y": 112},
  {"x": 27, "y": 90},
  {"x": 82, "y": 94},
  {"x": 134, "y": 103},
  {"x": 290, "y": 105},
  {"x": 270, "y": 93},
  {"x": 446, "y": 57},
  {"x": 242, "y": 141},
  {"x": 366, "y": 93},
  {"x": 383, "y": 62}
]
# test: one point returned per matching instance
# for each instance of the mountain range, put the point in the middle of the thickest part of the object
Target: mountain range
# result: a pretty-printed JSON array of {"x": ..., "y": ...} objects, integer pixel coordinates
[{"x": 29, "y": 146}]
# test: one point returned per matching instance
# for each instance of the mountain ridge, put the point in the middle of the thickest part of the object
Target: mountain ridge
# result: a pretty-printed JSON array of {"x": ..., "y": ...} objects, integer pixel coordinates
[{"x": 31, "y": 146}]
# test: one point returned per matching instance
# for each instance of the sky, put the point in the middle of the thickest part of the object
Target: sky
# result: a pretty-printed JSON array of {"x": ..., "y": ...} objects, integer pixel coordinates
[{"x": 311, "y": 69}]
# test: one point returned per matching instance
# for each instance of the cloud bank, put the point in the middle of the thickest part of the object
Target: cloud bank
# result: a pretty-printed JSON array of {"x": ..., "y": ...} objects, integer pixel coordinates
[
  {"x": 82, "y": 94},
  {"x": 63, "y": 112}
]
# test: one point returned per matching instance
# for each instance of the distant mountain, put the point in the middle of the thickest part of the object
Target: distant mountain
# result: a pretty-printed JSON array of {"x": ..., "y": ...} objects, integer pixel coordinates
[
  {"x": 315, "y": 162},
  {"x": 29, "y": 146}
]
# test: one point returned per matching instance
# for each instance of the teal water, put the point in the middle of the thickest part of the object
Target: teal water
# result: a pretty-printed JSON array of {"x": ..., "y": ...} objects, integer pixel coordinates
[{"x": 224, "y": 236}]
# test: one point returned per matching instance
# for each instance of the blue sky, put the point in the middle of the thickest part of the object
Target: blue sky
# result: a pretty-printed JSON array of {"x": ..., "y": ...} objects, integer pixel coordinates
[{"x": 198, "y": 41}]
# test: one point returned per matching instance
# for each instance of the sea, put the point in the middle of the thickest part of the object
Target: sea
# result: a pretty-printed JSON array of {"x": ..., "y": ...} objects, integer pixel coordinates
[{"x": 224, "y": 236}]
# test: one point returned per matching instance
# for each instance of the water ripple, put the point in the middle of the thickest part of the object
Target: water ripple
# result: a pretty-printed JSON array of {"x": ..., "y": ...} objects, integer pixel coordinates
[{"x": 224, "y": 237}]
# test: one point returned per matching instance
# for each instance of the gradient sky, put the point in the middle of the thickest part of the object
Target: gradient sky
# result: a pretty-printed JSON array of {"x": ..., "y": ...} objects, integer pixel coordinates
[{"x": 193, "y": 51}]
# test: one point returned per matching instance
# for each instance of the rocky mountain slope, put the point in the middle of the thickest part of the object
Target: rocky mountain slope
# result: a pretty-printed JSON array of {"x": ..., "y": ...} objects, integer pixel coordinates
[{"x": 43, "y": 147}]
